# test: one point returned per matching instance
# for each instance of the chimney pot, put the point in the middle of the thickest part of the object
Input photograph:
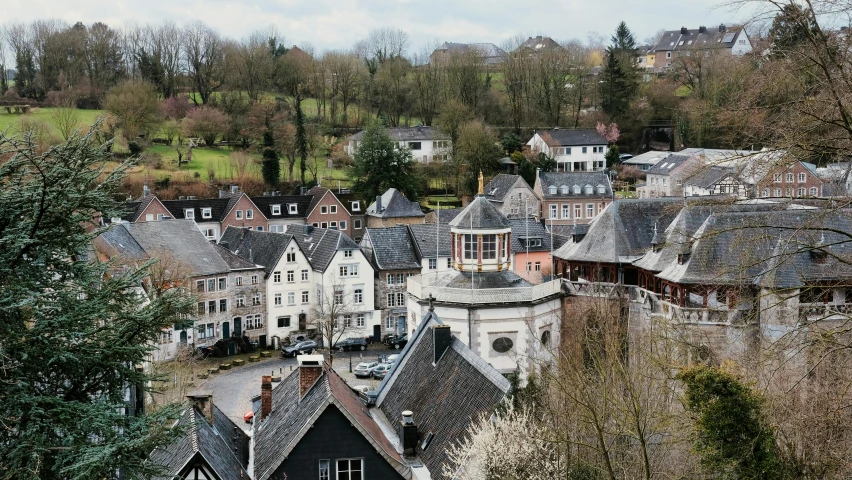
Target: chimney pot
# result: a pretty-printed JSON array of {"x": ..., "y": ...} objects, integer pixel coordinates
[
  {"x": 683, "y": 30},
  {"x": 265, "y": 396},
  {"x": 722, "y": 28},
  {"x": 408, "y": 433},
  {"x": 222, "y": 194}
]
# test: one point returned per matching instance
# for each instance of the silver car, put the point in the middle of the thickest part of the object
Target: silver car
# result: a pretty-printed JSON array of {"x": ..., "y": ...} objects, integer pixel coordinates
[{"x": 365, "y": 369}]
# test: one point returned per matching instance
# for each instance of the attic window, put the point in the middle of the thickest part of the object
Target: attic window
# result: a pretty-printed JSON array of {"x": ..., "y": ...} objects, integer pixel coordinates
[
  {"x": 682, "y": 258},
  {"x": 819, "y": 255},
  {"x": 189, "y": 213},
  {"x": 292, "y": 209},
  {"x": 552, "y": 190},
  {"x": 576, "y": 189},
  {"x": 564, "y": 190},
  {"x": 356, "y": 206},
  {"x": 492, "y": 192},
  {"x": 206, "y": 213},
  {"x": 589, "y": 190},
  {"x": 601, "y": 189},
  {"x": 276, "y": 209}
]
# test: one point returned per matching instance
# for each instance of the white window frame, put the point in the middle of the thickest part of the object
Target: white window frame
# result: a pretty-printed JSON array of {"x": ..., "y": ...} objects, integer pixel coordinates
[
  {"x": 356, "y": 206},
  {"x": 292, "y": 208},
  {"x": 276, "y": 209},
  {"x": 249, "y": 214},
  {"x": 433, "y": 264},
  {"x": 553, "y": 211},
  {"x": 332, "y": 209},
  {"x": 189, "y": 213},
  {"x": 206, "y": 213},
  {"x": 238, "y": 215}
]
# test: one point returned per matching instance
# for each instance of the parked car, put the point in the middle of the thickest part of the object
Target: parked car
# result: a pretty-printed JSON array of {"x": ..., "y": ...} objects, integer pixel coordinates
[
  {"x": 380, "y": 370},
  {"x": 398, "y": 341},
  {"x": 392, "y": 359},
  {"x": 302, "y": 348},
  {"x": 365, "y": 369},
  {"x": 349, "y": 344},
  {"x": 361, "y": 388},
  {"x": 625, "y": 156}
]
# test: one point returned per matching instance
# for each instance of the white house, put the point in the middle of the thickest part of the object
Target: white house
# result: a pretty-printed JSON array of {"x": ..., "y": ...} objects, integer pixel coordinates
[
  {"x": 574, "y": 150},
  {"x": 426, "y": 143}
]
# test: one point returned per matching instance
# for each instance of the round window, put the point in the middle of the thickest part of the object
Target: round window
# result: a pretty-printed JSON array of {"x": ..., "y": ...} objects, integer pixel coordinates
[
  {"x": 545, "y": 338},
  {"x": 502, "y": 344}
]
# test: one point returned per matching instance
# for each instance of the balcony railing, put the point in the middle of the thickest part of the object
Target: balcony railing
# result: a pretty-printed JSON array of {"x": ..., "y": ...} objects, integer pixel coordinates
[
  {"x": 686, "y": 315},
  {"x": 595, "y": 289},
  {"x": 422, "y": 288},
  {"x": 812, "y": 312}
]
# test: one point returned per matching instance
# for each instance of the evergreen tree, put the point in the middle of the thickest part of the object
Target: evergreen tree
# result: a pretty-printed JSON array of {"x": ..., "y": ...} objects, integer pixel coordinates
[
  {"x": 620, "y": 75},
  {"x": 74, "y": 330},
  {"x": 301, "y": 140},
  {"x": 791, "y": 27},
  {"x": 271, "y": 168},
  {"x": 380, "y": 163}
]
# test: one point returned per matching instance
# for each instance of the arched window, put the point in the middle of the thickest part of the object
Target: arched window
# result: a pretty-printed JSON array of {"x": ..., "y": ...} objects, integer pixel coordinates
[
  {"x": 564, "y": 190},
  {"x": 552, "y": 190}
]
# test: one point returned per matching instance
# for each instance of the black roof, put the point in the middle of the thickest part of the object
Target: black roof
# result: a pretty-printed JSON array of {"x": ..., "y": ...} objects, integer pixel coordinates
[
  {"x": 695, "y": 38},
  {"x": 261, "y": 248},
  {"x": 320, "y": 244},
  {"x": 446, "y": 215},
  {"x": 571, "y": 179},
  {"x": 235, "y": 262},
  {"x": 424, "y": 237},
  {"x": 392, "y": 248},
  {"x": 444, "y": 396},
  {"x": 395, "y": 205},
  {"x": 480, "y": 214},
  {"x": 219, "y": 207},
  {"x": 265, "y": 203},
  {"x": 201, "y": 439},
  {"x": 571, "y": 137}
]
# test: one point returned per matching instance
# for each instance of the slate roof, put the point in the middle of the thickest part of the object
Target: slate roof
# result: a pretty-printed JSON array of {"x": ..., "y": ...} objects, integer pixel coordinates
[
  {"x": 395, "y": 205},
  {"x": 392, "y": 248},
  {"x": 499, "y": 186},
  {"x": 320, "y": 244},
  {"x": 569, "y": 179},
  {"x": 571, "y": 137},
  {"x": 712, "y": 37},
  {"x": 444, "y": 397},
  {"x": 650, "y": 158},
  {"x": 233, "y": 436},
  {"x": 447, "y": 214},
  {"x": 707, "y": 177},
  {"x": 235, "y": 262},
  {"x": 423, "y": 236},
  {"x": 184, "y": 240},
  {"x": 218, "y": 208},
  {"x": 670, "y": 164},
  {"x": 135, "y": 208},
  {"x": 122, "y": 243},
  {"x": 528, "y": 227},
  {"x": 492, "y": 53},
  {"x": 480, "y": 280},
  {"x": 265, "y": 203},
  {"x": 200, "y": 439},
  {"x": 292, "y": 416},
  {"x": 410, "y": 134},
  {"x": 480, "y": 214},
  {"x": 623, "y": 231},
  {"x": 260, "y": 248},
  {"x": 539, "y": 43}
]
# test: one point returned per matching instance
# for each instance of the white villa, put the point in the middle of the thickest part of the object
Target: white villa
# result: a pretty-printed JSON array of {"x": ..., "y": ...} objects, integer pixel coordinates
[{"x": 574, "y": 150}]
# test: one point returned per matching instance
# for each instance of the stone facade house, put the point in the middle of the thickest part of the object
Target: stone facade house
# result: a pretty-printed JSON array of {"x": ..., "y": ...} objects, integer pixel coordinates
[
  {"x": 513, "y": 196},
  {"x": 392, "y": 208}
]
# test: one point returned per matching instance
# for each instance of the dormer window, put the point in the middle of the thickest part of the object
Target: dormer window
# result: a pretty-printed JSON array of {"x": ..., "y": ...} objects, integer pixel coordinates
[
  {"x": 356, "y": 206},
  {"x": 189, "y": 213},
  {"x": 682, "y": 258},
  {"x": 589, "y": 190},
  {"x": 819, "y": 255},
  {"x": 552, "y": 190},
  {"x": 564, "y": 190},
  {"x": 276, "y": 209},
  {"x": 292, "y": 209},
  {"x": 206, "y": 213},
  {"x": 576, "y": 189},
  {"x": 601, "y": 189}
]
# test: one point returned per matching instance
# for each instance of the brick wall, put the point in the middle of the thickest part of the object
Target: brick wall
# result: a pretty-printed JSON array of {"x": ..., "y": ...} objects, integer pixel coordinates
[{"x": 244, "y": 205}]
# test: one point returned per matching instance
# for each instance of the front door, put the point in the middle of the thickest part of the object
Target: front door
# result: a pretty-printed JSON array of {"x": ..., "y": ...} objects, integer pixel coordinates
[
  {"x": 238, "y": 326},
  {"x": 183, "y": 337},
  {"x": 303, "y": 322},
  {"x": 226, "y": 330}
]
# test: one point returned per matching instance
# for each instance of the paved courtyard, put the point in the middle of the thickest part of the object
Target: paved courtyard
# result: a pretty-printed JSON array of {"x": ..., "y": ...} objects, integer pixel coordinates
[{"x": 233, "y": 389}]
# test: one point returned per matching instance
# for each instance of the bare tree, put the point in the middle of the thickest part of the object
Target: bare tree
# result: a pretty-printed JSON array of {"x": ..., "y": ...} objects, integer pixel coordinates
[
  {"x": 66, "y": 119},
  {"x": 334, "y": 316},
  {"x": 203, "y": 49}
]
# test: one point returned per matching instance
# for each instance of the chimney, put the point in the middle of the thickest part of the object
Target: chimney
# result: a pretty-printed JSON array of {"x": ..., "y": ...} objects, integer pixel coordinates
[
  {"x": 145, "y": 190},
  {"x": 408, "y": 433},
  {"x": 683, "y": 30},
  {"x": 702, "y": 29},
  {"x": 182, "y": 197},
  {"x": 223, "y": 194},
  {"x": 235, "y": 188},
  {"x": 203, "y": 402},
  {"x": 265, "y": 396},
  {"x": 378, "y": 204},
  {"x": 722, "y": 28},
  {"x": 310, "y": 370},
  {"x": 441, "y": 340}
]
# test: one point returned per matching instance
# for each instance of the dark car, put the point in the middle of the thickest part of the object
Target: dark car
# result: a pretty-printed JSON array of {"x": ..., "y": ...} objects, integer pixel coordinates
[
  {"x": 302, "y": 348},
  {"x": 349, "y": 344},
  {"x": 397, "y": 341}
]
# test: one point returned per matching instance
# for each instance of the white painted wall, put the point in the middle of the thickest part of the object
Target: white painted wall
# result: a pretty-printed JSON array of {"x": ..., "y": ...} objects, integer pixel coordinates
[
  {"x": 365, "y": 280},
  {"x": 567, "y": 160},
  {"x": 284, "y": 288},
  {"x": 739, "y": 47},
  {"x": 429, "y": 150}
]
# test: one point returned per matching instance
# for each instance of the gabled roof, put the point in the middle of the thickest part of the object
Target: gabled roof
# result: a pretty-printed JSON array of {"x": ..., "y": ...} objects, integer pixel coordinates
[
  {"x": 492, "y": 53},
  {"x": 499, "y": 186},
  {"x": 136, "y": 208},
  {"x": 395, "y": 205},
  {"x": 669, "y": 165},
  {"x": 571, "y": 179},
  {"x": 623, "y": 231},
  {"x": 446, "y": 215},
  {"x": 694, "y": 38},
  {"x": 257, "y": 248},
  {"x": 201, "y": 439},
  {"x": 572, "y": 137},
  {"x": 291, "y": 417},
  {"x": 265, "y": 203},
  {"x": 184, "y": 240},
  {"x": 319, "y": 244},
  {"x": 218, "y": 208},
  {"x": 480, "y": 214},
  {"x": 235, "y": 262},
  {"x": 409, "y": 134},
  {"x": 523, "y": 228},
  {"x": 392, "y": 248},
  {"x": 539, "y": 43},
  {"x": 707, "y": 177},
  {"x": 430, "y": 237},
  {"x": 444, "y": 396},
  {"x": 120, "y": 242},
  {"x": 346, "y": 199},
  {"x": 650, "y": 158}
]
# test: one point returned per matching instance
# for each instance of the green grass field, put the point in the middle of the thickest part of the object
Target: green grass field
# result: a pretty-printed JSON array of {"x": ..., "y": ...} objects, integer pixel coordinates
[{"x": 12, "y": 122}]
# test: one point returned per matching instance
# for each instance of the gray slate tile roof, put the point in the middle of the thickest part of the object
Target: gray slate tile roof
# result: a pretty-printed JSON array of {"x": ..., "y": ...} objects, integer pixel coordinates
[
  {"x": 319, "y": 244},
  {"x": 392, "y": 248},
  {"x": 424, "y": 237},
  {"x": 118, "y": 238},
  {"x": 260, "y": 248},
  {"x": 201, "y": 439},
  {"x": 707, "y": 177},
  {"x": 445, "y": 397},
  {"x": 218, "y": 208},
  {"x": 529, "y": 228},
  {"x": 447, "y": 215},
  {"x": 467, "y": 280},
  {"x": 570, "y": 179},
  {"x": 480, "y": 214},
  {"x": 712, "y": 37},
  {"x": 235, "y": 262},
  {"x": 395, "y": 205},
  {"x": 409, "y": 134},
  {"x": 492, "y": 53},
  {"x": 499, "y": 186},
  {"x": 668, "y": 165},
  {"x": 539, "y": 43},
  {"x": 623, "y": 231},
  {"x": 184, "y": 240},
  {"x": 572, "y": 137}
]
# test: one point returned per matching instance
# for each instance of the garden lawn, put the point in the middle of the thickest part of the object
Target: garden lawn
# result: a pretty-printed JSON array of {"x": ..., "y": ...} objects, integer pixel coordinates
[{"x": 12, "y": 121}]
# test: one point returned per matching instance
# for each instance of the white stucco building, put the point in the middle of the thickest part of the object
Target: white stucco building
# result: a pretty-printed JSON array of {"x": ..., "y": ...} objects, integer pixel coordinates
[
  {"x": 427, "y": 144},
  {"x": 574, "y": 150}
]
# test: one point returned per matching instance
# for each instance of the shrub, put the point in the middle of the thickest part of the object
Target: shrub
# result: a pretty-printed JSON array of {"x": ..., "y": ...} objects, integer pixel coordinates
[{"x": 134, "y": 148}]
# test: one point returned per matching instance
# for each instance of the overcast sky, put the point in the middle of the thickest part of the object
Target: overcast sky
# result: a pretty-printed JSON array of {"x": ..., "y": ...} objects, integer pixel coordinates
[{"x": 338, "y": 24}]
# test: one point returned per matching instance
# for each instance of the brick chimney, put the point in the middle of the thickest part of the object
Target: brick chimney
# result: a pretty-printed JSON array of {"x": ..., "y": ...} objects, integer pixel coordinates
[
  {"x": 408, "y": 434},
  {"x": 265, "y": 396},
  {"x": 441, "y": 339},
  {"x": 203, "y": 402},
  {"x": 310, "y": 370}
]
